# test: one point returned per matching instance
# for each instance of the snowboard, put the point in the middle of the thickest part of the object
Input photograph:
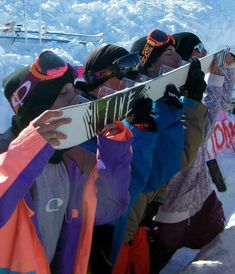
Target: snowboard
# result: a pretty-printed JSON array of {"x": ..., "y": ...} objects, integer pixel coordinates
[{"x": 91, "y": 117}]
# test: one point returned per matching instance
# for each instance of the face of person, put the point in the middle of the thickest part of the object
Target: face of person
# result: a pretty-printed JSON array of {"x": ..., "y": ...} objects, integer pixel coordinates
[
  {"x": 168, "y": 58},
  {"x": 111, "y": 85},
  {"x": 66, "y": 97}
]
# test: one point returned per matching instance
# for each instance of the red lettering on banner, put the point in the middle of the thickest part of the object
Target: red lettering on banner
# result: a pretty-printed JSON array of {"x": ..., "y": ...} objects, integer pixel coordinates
[
  {"x": 218, "y": 130},
  {"x": 230, "y": 129},
  {"x": 222, "y": 136}
]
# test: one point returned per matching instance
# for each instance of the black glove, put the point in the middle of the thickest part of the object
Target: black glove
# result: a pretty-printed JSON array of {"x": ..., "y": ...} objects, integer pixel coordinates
[
  {"x": 141, "y": 114},
  {"x": 195, "y": 84},
  {"x": 172, "y": 95}
]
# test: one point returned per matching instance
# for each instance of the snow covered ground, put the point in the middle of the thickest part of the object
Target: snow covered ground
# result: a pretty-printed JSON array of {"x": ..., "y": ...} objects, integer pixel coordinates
[{"x": 123, "y": 21}]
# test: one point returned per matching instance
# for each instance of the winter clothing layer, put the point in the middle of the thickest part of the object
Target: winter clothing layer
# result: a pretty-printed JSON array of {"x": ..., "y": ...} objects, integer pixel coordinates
[
  {"x": 19, "y": 208},
  {"x": 134, "y": 256},
  {"x": 151, "y": 163},
  {"x": 194, "y": 233},
  {"x": 21, "y": 249},
  {"x": 189, "y": 189},
  {"x": 194, "y": 122},
  {"x": 175, "y": 144},
  {"x": 170, "y": 128}
]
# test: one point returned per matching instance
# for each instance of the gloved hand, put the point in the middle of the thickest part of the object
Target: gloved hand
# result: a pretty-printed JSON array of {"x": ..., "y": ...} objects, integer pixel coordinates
[
  {"x": 195, "y": 84},
  {"x": 141, "y": 115},
  {"x": 172, "y": 95}
]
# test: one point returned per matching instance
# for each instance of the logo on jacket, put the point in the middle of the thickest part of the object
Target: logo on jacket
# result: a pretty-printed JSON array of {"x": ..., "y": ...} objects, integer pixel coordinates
[{"x": 54, "y": 204}]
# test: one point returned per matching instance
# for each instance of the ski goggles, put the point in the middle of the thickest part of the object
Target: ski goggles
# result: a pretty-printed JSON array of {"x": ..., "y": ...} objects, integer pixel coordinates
[
  {"x": 47, "y": 66},
  {"x": 155, "y": 38},
  {"x": 200, "y": 47},
  {"x": 128, "y": 66}
]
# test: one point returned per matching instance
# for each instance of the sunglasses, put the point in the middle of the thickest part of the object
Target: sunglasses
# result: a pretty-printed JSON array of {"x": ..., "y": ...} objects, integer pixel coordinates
[
  {"x": 200, "y": 47},
  {"x": 47, "y": 66},
  {"x": 128, "y": 66},
  {"x": 155, "y": 38}
]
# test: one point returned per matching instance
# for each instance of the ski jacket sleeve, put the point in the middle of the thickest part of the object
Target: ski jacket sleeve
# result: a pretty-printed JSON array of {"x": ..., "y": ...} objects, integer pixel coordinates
[
  {"x": 229, "y": 75},
  {"x": 141, "y": 165},
  {"x": 113, "y": 160},
  {"x": 194, "y": 123},
  {"x": 169, "y": 145},
  {"x": 19, "y": 166},
  {"x": 137, "y": 213},
  {"x": 169, "y": 140},
  {"x": 113, "y": 163},
  {"x": 173, "y": 118},
  {"x": 218, "y": 95}
]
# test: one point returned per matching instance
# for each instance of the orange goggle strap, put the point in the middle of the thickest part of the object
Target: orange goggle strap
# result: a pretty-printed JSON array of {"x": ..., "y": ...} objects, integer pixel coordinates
[
  {"x": 29, "y": 82},
  {"x": 150, "y": 45},
  {"x": 147, "y": 50}
]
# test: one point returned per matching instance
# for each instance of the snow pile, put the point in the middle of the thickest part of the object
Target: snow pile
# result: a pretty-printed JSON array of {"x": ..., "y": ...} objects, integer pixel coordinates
[{"x": 216, "y": 257}]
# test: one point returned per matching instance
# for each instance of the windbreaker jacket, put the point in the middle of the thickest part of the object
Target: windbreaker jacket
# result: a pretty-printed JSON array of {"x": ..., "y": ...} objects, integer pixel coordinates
[
  {"x": 21, "y": 250},
  {"x": 193, "y": 122},
  {"x": 152, "y": 162},
  {"x": 21, "y": 246},
  {"x": 189, "y": 189}
]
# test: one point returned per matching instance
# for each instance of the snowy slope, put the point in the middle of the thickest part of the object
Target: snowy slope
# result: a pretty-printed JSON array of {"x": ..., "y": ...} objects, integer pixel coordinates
[{"x": 122, "y": 21}]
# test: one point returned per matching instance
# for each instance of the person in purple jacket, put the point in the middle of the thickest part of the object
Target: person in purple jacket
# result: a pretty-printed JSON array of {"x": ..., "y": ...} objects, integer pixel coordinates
[{"x": 57, "y": 188}]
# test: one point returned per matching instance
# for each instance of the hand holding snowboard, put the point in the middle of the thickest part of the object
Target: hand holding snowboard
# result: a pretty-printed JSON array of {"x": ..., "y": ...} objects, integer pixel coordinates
[{"x": 195, "y": 84}]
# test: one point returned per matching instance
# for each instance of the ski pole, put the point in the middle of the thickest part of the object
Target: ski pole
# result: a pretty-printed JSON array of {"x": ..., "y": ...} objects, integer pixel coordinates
[
  {"x": 25, "y": 25},
  {"x": 40, "y": 23}
]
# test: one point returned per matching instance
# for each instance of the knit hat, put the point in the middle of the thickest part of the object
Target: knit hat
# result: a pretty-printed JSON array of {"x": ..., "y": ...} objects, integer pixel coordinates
[
  {"x": 185, "y": 43},
  {"x": 40, "y": 98},
  {"x": 139, "y": 45},
  {"x": 100, "y": 59}
]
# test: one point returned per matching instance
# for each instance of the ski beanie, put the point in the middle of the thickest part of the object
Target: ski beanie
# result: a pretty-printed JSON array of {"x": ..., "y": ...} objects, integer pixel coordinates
[
  {"x": 100, "y": 59},
  {"x": 185, "y": 43},
  {"x": 138, "y": 47},
  {"x": 41, "y": 98}
]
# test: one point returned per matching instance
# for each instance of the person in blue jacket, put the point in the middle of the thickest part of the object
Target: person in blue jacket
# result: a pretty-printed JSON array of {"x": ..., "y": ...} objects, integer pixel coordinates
[
  {"x": 157, "y": 51},
  {"x": 179, "y": 135}
]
